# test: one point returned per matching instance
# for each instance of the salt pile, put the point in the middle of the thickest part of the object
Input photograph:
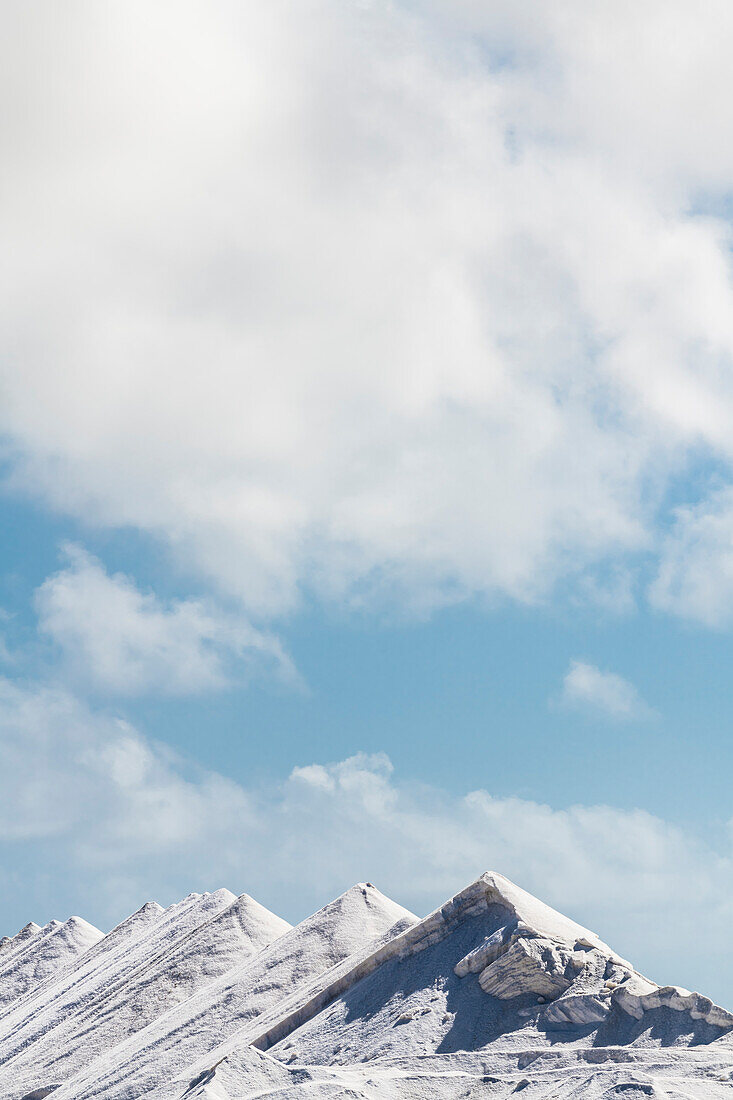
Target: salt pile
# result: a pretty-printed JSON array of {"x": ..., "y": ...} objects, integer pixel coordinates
[
  {"x": 218, "y": 999},
  {"x": 37, "y": 954},
  {"x": 152, "y": 961}
]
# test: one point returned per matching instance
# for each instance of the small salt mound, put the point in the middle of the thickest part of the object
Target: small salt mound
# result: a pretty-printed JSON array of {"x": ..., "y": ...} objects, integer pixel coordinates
[
  {"x": 44, "y": 953},
  {"x": 11, "y": 945}
]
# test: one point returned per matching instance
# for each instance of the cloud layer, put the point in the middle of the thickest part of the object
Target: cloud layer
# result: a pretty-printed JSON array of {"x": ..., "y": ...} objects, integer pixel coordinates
[{"x": 384, "y": 302}]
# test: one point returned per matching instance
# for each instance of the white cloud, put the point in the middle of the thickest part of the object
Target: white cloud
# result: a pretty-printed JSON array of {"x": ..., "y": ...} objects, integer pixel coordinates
[
  {"x": 6, "y": 655},
  {"x": 331, "y": 295},
  {"x": 588, "y": 687},
  {"x": 695, "y": 577},
  {"x": 101, "y": 818},
  {"x": 69, "y": 772},
  {"x": 124, "y": 641}
]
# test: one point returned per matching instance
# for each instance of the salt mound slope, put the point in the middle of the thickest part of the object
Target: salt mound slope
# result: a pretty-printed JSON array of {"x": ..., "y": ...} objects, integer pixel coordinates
[
  {"x": 54, "y": 988},
  {"x": 153, "y": 960},
  {"x": 491, "y": 995}
]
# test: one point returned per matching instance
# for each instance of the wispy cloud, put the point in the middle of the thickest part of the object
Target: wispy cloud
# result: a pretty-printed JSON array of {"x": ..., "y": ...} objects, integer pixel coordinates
[
  {"x": 695, "y": 576},
  {"x": 117, "y": 639},
  {"x": 6, "y": 655},
  {"x": 587, "y": 687}
]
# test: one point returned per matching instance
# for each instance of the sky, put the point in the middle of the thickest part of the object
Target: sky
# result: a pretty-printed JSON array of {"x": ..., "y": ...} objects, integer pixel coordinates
[{"x": 366, "y": 459}]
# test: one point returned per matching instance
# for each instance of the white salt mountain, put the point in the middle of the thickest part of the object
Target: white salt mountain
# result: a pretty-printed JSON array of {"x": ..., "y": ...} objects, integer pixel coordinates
[{"x": 491, "y": 995}]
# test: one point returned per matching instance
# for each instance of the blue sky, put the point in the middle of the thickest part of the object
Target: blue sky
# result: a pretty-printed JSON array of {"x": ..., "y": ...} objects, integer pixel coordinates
[
  {"x": 489, "y": 680},
  {"x": 366, "y": 414}
]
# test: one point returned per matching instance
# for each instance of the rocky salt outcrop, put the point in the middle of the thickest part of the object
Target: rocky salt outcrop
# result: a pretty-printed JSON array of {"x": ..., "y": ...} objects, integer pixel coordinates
[
  {"x": 528, "y": 966},
  {"x": 637, "y": 997},
  {"x": 520, "y": 958}
]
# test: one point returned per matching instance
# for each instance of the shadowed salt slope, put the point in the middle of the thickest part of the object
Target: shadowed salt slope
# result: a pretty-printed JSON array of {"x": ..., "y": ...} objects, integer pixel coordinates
[
  {"x": 491, "y": 995},
  {"x": 153, "y": 960},
  {"x": 542, "y": 999},
  {"x": 165, "y": 1049}
]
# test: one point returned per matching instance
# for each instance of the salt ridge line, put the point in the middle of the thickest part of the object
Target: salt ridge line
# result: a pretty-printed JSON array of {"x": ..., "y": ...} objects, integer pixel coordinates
[
  {"x": 123, "y": 950},
  {"x": 10, "y": 945},
  {"x": 531, "y": 922},
  {"x": 7, "y": 942},
  {"x": 106, "y": 960},
  {"x": 498, "y": 940},
  {"x": 28, "y": 943},
  {"x": 209, "y": 951}
]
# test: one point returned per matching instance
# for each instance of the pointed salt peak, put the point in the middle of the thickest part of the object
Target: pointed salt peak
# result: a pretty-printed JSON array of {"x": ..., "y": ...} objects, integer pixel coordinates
[
  {"x": 178, "y": 909},
  {"x": 81, "y": 928},
  {"x": 29, "y": 929},
  {"x": 331, "y": 908},
  {"x": 365, "y": 897},
  {"x": 209, "y": 905},
  {"x": 245, "y": 903},
  {"x": 258, "y": 921},
  {"x": 223, "y": 895},
  {"x": 150, "y": 908},
  {"x": 200, "y": 904},
  {"x": 373, "y": 896},
  {"x": 534, "y": 916}
]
